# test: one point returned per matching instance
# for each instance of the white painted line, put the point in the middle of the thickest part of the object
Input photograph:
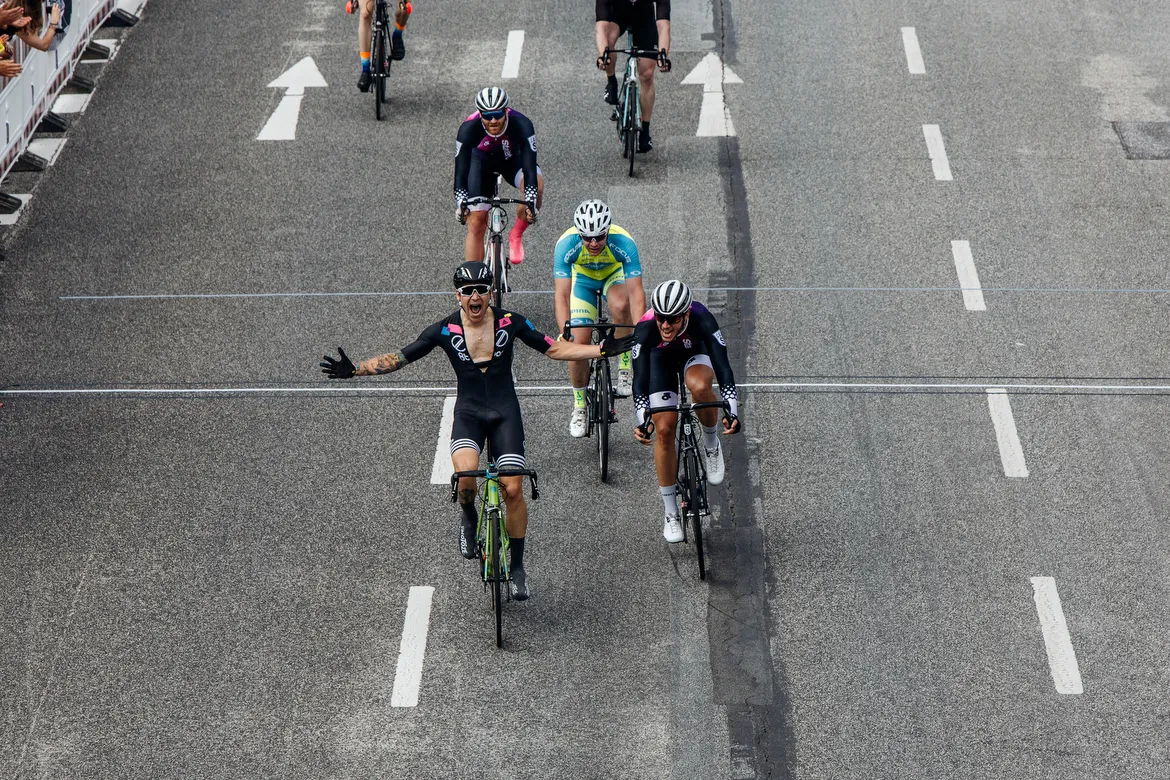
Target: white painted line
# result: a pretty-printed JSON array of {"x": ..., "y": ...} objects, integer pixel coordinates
[
  {"x": 414, "y": 645},
  {"x": 282, "y": 125},
  {"x": 74, "y": 103},
  {"x": 443, "y": 468},
  {"x": 512, "y": 55},
  {"x": 938, "y": 153},
  {"x": 10, "y": 219},
  {"x": 48, "y": 148},
  {"x": 968, "y": 276},
  {"x": 1062, "y": 660},
  {"x": 913, "y": 52},
  {"x": 1010, "y": 452}
]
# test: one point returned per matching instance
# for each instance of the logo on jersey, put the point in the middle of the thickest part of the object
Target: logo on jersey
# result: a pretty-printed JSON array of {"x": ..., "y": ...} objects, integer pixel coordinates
[
  {"x": 532, "y": 142},
  {"x": 458, "y": 146},
  {"x": 666, "y": 396},
  {"x": 501, "y": 339},
  {"x": 719, "y": 337},
  {"x": 637, "y": 350},
  {"x": 507, "y": 148},
  {"x": 687, "y": 343},
  {"x": 458, "y": 343}
]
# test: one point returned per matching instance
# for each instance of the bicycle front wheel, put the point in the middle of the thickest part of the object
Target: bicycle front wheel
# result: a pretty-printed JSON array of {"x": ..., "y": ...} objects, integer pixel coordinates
[
  {"x": 495, "y": 572},
  {"x": 379, "y": 65},
  {"x": 495, "y": 261},
  {"x": 602, "y": 410},
  {"x": 694, "y": 511}
]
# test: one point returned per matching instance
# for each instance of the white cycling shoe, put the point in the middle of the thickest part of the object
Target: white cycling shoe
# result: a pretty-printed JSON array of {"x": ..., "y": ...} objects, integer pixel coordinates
[
  {"x": 625, "y": 383},
  {"x": 578, "y": 424},
  {"x": 714, "y": 459},
  {"x": 672, "y": 529}
]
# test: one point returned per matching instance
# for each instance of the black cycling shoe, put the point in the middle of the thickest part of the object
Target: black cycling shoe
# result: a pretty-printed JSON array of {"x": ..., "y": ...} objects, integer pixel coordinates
[
  {"x": 519, "y": 584},
  {"x": 364, "y": 81},
  {"x": 397, "y": 47},
  {"x": 611, "y": 95},
  {"x": 644, "y": 143},
  {"x": 467, "y": 543}
]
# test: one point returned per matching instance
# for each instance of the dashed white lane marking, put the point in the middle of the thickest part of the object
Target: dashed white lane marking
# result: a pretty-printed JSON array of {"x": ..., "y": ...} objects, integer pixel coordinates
[
  {"x": 913, "y": 52},
  {"x": 512, "y": 55},
  {"x": 408, "y": 677},
  {"x": 1062, "y": 660},
  {"x": 10, "y": 219},
  {"x": 442, "y": 469},
  {"x": 968, "y": 276},
  {"x": 74, "y": 103},
  {"x": 47, "y": 148},
  {"x": 938, "y": 153},
  {"x": 1010, "y": 452}
]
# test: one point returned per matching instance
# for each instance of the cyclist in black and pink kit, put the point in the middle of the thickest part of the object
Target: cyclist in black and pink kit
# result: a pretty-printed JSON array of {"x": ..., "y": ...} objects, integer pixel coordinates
[
  {"x": 478, "y": 340},
  {"x": 496, "y": 139},
  {"x": 680, "y": 336}
]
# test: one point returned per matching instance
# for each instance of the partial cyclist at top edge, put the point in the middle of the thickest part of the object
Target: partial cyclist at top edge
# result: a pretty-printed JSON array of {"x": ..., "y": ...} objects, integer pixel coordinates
[
  {"x": 649, "y": 24},
  {"x": 478, "y": 339},
  {"x": 365, "y": 36},
  {"x": 680, "y": 336},
  {"x": 496, "y": 139},
  {"x": 596, "y": 257}
]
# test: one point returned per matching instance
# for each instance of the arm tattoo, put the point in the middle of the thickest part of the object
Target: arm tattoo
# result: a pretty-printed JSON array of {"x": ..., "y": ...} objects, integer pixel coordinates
[{"x": 383, "y": 364}]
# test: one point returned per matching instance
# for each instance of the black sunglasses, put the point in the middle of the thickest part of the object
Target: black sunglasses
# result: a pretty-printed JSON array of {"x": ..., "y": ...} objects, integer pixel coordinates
[
  {"x": 594, "y": 239},
  {"x": 676, "y": 319},
  {"x": 471, "y": 289},
  {"x": 492, "y": 116}
]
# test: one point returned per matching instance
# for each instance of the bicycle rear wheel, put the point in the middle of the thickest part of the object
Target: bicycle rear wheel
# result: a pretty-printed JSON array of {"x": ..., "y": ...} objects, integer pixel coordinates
[
  {"x": 632, "y": 128},
  {"x": 495, "y": 261},
  {"x": 602, "y": 409},
  {"x": 694, "y": 510},
  {"x": 495, "y": 572},
  {"x": 378, "y": 63}
]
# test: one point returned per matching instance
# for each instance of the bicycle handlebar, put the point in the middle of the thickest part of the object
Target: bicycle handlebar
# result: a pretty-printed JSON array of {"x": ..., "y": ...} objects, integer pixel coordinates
[
  {"x": 600, "y": 327},
  {"x": 647, "y": 53},
  {"x": 494, "y": 201},
  {"x": 498, "y": 473}
]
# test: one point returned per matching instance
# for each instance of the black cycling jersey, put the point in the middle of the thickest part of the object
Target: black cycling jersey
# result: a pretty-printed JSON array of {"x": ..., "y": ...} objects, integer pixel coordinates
[
  {"x": 657, "y": 363},
  {"x": 614, "y": 10},
  {"x": 517, "y": 142}
]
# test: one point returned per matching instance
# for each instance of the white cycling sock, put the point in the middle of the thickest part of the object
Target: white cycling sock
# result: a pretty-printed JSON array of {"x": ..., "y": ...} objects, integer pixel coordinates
[
  {"x": 711, "y": 437},
  {"x": 668, "y": 499}
]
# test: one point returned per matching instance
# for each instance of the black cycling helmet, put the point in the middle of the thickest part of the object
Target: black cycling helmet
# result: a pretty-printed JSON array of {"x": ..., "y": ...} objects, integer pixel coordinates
[{"x": 472, "y": 272}]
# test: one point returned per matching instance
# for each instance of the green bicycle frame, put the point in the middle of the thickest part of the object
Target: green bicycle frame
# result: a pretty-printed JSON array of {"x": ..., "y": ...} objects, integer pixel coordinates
[{"x": 490, "y": 503}]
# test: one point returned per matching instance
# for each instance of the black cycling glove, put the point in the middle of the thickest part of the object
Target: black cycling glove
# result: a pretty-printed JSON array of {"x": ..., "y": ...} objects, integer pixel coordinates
[
  {"x": 614, "y": 345},
  {"x": 342, "y": 368},
  {"x": 732, "y": 423}
]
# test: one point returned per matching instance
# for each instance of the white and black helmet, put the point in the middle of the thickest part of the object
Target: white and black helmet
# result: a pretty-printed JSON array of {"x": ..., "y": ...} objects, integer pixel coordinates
[
  {"x": 671, "y": 298},
  {"x": 592, "y": 218},
  {"x": 491, "y": 99}
]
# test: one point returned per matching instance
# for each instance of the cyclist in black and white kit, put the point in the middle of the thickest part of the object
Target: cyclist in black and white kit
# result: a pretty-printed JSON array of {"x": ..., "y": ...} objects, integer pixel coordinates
[
  {"x": 679, "y": 335},
  {"x": 649, "y": 23},
  {"x": 496, "y": 139},
  {"x": 478, "y": 340}
]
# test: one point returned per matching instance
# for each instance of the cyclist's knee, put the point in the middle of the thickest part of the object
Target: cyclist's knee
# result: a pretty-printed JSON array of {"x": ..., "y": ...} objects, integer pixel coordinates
[
  {"x": 477, "y": 221},
  {"x": 466, "y": 494},
  {"x": 367, "y": 10},
  {"x": 665, "y": 423}
]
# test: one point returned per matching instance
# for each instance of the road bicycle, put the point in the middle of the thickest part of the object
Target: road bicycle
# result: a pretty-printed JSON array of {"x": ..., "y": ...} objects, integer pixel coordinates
[
  {"x": 493, "y": 239},
  {"x": 628, "y": 112},
  {"x": 492, "y": 534},
  {"x": 380, "y": 49},
  {"x": 599, "y": 394},
  {"x": 692, "y": 468}
]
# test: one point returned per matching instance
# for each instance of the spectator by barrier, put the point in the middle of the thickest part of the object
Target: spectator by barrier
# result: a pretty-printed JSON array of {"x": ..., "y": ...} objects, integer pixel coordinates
[{"x": 25, "y": 99}]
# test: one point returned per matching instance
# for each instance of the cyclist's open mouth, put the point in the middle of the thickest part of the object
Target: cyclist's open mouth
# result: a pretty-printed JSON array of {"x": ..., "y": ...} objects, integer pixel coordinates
[{"x": 476, "y": 305}]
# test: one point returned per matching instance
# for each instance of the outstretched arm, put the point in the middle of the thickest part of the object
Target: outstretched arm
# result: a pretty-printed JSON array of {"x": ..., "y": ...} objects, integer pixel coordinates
[{"x": 383, "y": 364}]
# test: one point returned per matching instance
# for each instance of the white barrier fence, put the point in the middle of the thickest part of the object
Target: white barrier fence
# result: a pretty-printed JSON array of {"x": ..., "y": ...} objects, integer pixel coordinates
[{"x": 25, "y": 100}]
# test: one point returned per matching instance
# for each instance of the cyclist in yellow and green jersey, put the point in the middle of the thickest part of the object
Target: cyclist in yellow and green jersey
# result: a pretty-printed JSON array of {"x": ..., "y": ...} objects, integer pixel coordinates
[{"x": 595, "y": 256}]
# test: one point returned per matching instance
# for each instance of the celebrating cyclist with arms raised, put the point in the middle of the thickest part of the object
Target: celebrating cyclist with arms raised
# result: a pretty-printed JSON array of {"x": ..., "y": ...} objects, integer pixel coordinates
[
  {"x": 678, "y": 336},
  {"x": 649, "y": 23},
  {"x": 478, "y": 339},
  {"x": 596, "y": 256},
  {"x": 365, "y": 36},
  {"x": 496, "y": 139}
]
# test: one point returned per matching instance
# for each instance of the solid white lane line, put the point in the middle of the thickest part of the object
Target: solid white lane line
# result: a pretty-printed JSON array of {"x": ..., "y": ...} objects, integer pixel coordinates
[
  {"x": 913, "y": 52},
  {"x": 442, "y": 469},
  {"x": 968, "y": 276},
  {"x": 512, "y": 55},
  {"x": 1062, "y": 660},
  {"x": 282, "y": 125},
  {"x": 938, "y": 153},
  {"x": 1010, "y": 452},
  {"x": 413, "y": 647}
]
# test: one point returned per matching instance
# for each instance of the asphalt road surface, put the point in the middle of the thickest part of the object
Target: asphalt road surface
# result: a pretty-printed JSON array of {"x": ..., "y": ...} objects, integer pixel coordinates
[{"x": 208, "y": 549}]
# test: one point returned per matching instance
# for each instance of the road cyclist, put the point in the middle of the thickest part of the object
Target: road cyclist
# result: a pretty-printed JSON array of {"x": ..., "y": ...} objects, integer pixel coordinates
[
  {"x": 679, "y": 336},
  {"x": 365, "y": 35},
  {"x": 478, "y": 340},
  {"x": 649, "y": 24},
  {"x": 496, "y": 139},
  {"x": 596, "y": 257}
]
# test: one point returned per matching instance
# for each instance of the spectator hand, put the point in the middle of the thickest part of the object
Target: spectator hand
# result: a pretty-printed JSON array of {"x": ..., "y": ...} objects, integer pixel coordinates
[
  {"x": 9, "y": 69},
  {"x": 55, "y": 14}
]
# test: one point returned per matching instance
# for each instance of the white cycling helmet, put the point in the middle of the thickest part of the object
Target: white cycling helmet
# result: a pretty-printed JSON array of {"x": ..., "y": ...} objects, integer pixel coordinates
[
  {"x": 592, "y": 218},
  {"x": 671, "y": 298},
  {"x": 491, "y": 99}
]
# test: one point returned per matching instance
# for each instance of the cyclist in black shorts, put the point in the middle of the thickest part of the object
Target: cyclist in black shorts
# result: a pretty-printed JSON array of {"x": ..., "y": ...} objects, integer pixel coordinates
[
  {"x": 676, "y": 336},
  {"x": 496, "y": 139},
  {"x": 649, "y": 21},
  {"x": 478, "y": 339}
]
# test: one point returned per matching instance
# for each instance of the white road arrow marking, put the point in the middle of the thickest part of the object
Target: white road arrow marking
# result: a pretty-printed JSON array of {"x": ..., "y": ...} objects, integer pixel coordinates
[
  {"x": 282, "y": 125},
  {"x": 714, "y": 118}
]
